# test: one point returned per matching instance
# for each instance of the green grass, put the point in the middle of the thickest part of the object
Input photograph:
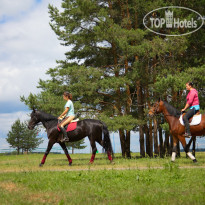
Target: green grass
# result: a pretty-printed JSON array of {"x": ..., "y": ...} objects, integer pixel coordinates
[
  {"x": 30, "y": 162},
  {"x": 23, "y": 182}
]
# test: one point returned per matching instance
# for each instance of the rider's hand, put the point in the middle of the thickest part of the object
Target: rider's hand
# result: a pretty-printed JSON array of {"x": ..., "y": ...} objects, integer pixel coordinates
[{"x": 182, "y": 110}]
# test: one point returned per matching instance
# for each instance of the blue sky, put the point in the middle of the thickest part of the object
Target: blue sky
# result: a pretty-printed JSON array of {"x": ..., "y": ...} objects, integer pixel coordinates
[{"x": 28, "y": 47}]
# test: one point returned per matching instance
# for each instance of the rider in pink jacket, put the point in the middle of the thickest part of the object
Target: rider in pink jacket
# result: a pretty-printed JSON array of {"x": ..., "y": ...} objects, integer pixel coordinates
[
  {"x": 192, "y": 98},
  {"x": 192, "y": 104}
]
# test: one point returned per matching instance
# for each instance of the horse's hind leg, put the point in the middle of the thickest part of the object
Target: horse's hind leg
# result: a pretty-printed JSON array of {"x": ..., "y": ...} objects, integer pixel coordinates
[
  {"x": 62, "y": 144},
  {"x": 49, "y": 147},
  {"x": 94, "y": 150},
  {"x": 109, "y": 153},
  {"x": 186, "y": 148}
]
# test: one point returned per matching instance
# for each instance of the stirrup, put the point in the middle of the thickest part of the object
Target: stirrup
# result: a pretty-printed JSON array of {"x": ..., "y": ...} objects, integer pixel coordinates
[{"x": 65, "y": 137}]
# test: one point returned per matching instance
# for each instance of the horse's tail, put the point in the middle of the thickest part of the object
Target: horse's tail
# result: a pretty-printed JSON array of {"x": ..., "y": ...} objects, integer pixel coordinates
[{"x": 106, "y": 140}]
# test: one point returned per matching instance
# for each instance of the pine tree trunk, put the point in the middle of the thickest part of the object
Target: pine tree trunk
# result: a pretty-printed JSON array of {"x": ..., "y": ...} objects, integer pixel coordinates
[
  {"x": 140, "y": 114},
  {"x": 141, "y": 140},
  {"x": 156, "y": 147},
  {"x": 150, "y": 138},
  {"x": 161, "y": 141},
  {"x": 127, "y": 144},
  {"x": 147, "y": 140},
  {"x": 128, "y": 110},
  {"x": 122, "y": 142}
]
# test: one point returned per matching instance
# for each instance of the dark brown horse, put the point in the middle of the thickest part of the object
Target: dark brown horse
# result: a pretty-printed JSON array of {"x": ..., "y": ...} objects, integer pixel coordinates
[
  {"x": 95, "y": 130},
  {"x": 177, "y": 130}
]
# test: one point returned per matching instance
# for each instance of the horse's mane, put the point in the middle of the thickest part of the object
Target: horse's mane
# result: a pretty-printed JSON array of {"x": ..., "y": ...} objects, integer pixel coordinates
[
  {"x": 47, "y": 116},
  {"x": 172, "y": 111}
]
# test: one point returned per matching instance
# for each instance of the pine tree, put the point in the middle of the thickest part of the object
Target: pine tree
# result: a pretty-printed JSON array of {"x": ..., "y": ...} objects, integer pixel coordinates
[
  {"x": 15, "y": 136},
  {"x": 21, "y": 138},
  {"x": 116, "y": 69},
  {"x": 76, "y": 145}
]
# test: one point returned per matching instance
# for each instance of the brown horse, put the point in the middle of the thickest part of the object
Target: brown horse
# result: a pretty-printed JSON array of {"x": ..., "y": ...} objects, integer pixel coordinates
[{"x": 177, "y": 130}]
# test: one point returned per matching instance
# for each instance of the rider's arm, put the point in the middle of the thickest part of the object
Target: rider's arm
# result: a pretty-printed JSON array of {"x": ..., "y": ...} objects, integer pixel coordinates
[
  {"x": 186, "y": 106},
  {"x": 64, "y": 112}
]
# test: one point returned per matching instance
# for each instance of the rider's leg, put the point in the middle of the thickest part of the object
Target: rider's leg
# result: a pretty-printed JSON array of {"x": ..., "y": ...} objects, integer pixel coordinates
[
  {"x": 65, "y": 136},
  {"x": 67, "y": 121},
  {"x": 186, "y": 117},
  {"x": 62, "y": 124}
]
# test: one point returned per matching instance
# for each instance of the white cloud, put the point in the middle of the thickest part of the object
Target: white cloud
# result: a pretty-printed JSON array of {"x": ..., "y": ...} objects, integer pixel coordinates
[
  {"x": 28, "y": 47},
  {"x": 7, "y": 119},
  {"x": 14, "y": 8}
]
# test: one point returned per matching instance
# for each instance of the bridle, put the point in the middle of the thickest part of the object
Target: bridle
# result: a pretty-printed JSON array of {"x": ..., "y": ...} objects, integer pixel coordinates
[
  {"x": 34, "y": 120},
  {"x": 154, "y": 109}
]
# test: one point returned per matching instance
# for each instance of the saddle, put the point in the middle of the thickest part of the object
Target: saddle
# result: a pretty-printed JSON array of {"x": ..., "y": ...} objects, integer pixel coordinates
[
  {"x": 71, "y": 126},
  {"x": 194, "y": 120}
]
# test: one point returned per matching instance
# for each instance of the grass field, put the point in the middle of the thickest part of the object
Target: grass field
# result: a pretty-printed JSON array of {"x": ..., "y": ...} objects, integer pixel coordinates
[{"x": 135, "y": 181}]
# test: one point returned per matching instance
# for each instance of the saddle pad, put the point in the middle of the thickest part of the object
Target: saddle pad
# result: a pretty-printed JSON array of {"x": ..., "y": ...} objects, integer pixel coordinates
[
  {"x": 71, "y": 126},
  {"x": 195, "y": 120}
]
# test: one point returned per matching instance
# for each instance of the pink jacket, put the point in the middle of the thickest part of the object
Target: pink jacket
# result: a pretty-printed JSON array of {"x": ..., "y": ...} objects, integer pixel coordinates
[{"x": 192, "y": 98}]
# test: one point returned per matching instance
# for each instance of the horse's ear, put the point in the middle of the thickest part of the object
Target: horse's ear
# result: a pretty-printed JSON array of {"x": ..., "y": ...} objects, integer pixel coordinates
[
  {"x": 34, "y": 110},
  {"x": 159, "y": 99}
]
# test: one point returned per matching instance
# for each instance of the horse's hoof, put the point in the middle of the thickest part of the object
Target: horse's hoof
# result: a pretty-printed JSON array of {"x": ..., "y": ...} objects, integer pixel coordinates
[
  {"x": 90, "y": 163},
  {"x": 70, "y": 164},
  {"x": 195, "y": 161},
  {"x": 40, "y": 165},
  {"x": 172, "y": 161}
]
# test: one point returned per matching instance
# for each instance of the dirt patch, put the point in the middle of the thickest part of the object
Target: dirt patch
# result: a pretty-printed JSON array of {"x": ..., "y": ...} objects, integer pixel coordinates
[
  {"x": 42, "y": 198},
  {"x": 8, "y": 186},
  {"x": 28, "y": 196}
]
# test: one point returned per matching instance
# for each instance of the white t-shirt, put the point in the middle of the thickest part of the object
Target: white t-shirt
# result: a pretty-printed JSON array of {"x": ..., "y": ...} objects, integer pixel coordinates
[{"x": 71, "y": 108}]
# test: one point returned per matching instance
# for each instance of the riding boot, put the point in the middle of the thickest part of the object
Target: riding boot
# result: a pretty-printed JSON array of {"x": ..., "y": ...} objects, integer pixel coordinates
[
  {"x": 65, "y": 136},
  {"x": 186, "y": 117},
  {"x": 187, "y": 128}
]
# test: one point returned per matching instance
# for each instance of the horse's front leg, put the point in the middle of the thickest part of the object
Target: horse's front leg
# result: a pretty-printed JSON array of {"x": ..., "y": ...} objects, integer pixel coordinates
[
  {"x": 174, "y": 150},
  {"x": 49, "y": 147},
  {"x": 62, "y": 144}
]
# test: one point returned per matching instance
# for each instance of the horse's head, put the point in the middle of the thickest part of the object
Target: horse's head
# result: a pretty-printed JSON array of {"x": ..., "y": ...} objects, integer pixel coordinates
[
  {"x": 34, "y": 119},
  {"x": 156, "y": 108}
]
